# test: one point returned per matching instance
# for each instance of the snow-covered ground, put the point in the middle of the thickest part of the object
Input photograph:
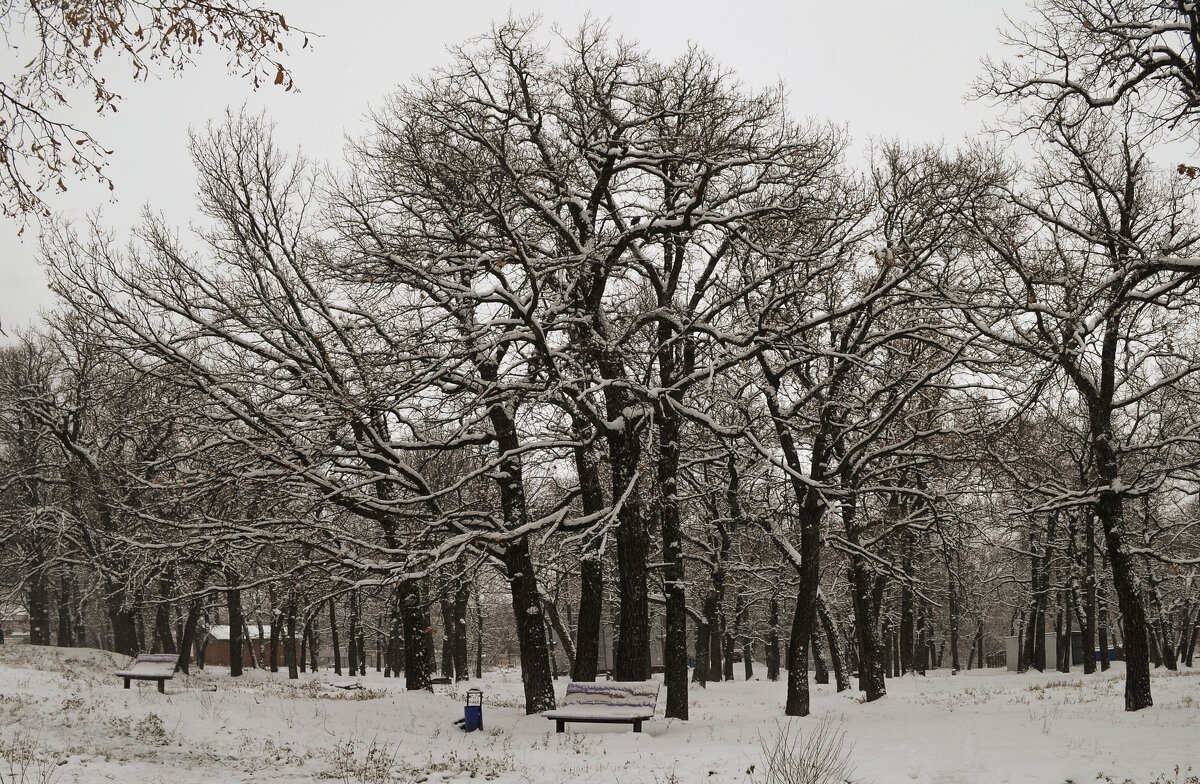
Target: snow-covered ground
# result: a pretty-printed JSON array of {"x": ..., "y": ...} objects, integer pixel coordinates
[{"x": 76, "y": 724}]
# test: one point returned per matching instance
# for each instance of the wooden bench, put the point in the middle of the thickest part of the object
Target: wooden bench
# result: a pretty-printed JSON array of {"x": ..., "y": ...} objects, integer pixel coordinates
[
  {"x": 606, "y": 702},
  {"x": 151, "y": 667}
]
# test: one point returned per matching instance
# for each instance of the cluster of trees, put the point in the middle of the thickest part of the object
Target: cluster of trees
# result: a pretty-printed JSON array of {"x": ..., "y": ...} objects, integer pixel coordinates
[{"x": 625, "y": 336}]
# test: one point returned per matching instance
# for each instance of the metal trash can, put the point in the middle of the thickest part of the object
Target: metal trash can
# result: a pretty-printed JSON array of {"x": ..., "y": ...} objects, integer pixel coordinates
[{"x": 473, "y": 711}]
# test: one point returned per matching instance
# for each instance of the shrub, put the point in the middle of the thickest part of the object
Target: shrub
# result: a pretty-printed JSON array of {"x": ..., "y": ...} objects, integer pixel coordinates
[{"x": 817, "y": 754}]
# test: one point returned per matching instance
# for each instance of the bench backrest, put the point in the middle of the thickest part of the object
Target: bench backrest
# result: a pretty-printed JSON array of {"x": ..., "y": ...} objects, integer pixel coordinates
[{"x": 616, "y": 694}]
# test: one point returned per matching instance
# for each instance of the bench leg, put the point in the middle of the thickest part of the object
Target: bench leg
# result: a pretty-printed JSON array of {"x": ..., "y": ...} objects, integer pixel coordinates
[
  {"x": 559, "y": 725},
  {"x": 126, "y": 683},
  {"x": 162, "y": 687},
  {"x": 637, "y": 725}
]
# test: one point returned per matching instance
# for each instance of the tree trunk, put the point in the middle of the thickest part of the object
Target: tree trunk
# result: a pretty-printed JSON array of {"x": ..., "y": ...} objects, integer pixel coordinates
[
  {"x": 591, "y": 610},
  {"x": 907, "y": 640},
  {"x": 418, "y": 664},
  {"x": 462, "y": 594},
  {"x": 840, "y": 676},
  {"x": 591, "y": 567},
  {"x": 802, "y": 631},
  {"x": 310, "y": 629},
  {"x": 1133, "y": 618},
  {"x": 1191, "y": 645},
  {"x": 821, "y": 674},
  {"x": 187, "y": 639},
  {"x": 333, "y": 633},
  {"x": 952, "y": 587},
  {"x": 233, "y": 601},
  {"x": 675, "y": 664},
  {"x": 276, "y": 624},
  {"x": 531, "y": 628},
  {"x": 742, "y": 624},
  {"x": 289, "y": 654},
  {"x": 560, "y": 630},
  {"x": 352, "y": 655},
  {"x": 1091, "y": 613},
  {"x": 712, "y": 611},
  {"x": 479, "y": 636},
  {"x": 773, "y": 641},
  {"x": 162, "y": 617},
  {"x": 703, "y": 644},
  {"x": 449, "y": 630},
  {"x": 39, "y": 612},
  {"x": 64, "y": 638}
]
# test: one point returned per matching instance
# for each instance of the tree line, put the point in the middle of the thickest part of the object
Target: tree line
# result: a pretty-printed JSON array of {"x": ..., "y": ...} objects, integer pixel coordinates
[{"x": 622, "y": 341}]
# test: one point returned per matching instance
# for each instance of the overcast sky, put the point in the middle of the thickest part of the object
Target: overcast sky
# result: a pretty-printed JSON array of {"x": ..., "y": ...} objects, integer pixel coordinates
[{"x": 886, "y": 69}]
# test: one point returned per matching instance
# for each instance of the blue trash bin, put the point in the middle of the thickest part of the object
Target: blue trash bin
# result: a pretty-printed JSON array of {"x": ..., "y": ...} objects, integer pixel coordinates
[{"x": 473, "y": 711}]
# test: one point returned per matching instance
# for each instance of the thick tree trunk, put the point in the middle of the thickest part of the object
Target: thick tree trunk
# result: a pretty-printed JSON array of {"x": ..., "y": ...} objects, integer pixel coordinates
[
  {"x": 632, "y": 654},
  {"x": 1133, "y": 617},
  {"x": 675, "y": 665},
  {"x": 870, "y": 655},
  {"x": 591, "y": 610},
  {"x": 802, "y": 631},
  {"x": 162, "y": 617},
  {"x": 187, "y": 639},
  {"x": 591, "y": 567},
  {"x": 418, "y": 664},
  {"x": 531, "y": 628}
]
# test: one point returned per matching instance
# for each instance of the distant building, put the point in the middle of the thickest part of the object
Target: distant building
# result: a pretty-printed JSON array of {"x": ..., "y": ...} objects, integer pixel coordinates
[
  {"x": 14, "y": 622},
  {"x": 216, "y": 646}
]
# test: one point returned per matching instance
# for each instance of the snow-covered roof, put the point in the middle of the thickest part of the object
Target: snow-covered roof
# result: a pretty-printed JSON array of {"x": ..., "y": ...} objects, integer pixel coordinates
[
  {"x": 13, "y": 613},
  {"x": 221, "y": 632}
]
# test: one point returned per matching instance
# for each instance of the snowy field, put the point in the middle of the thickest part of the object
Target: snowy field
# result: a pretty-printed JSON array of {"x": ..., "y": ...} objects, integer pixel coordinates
[{"x": 64, "y": 718}]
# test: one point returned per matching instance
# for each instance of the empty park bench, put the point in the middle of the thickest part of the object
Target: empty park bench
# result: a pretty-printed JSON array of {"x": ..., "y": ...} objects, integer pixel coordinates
[
  {"x": 606, "y": 702},
  {"x": 151, "y": 667}
]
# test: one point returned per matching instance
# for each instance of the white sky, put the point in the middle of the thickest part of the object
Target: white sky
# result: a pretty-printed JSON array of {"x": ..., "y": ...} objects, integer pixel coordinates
[{"x": 887, "y": 69}]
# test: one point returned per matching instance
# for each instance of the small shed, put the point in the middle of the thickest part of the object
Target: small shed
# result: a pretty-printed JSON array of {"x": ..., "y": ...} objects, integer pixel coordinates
[{"x": 216, "y": 646}]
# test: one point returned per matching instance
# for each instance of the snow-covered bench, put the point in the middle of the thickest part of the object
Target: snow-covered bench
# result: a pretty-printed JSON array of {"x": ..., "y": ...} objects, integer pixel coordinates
[
  {"x": 606, "y": 702},
  {"x": 151, "y": 667}
]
